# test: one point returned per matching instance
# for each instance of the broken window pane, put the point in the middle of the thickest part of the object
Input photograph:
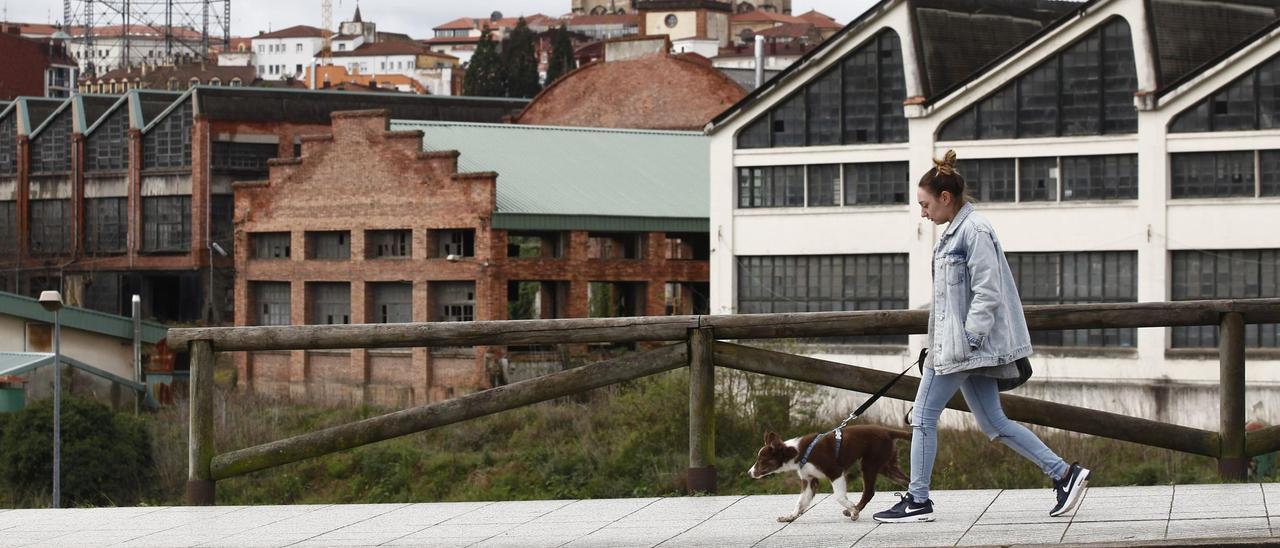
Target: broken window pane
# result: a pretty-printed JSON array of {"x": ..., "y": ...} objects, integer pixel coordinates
[
  {"x": 875, "y": 183},
  {"x": 824, "y": 185},
  {"x": 392, "y": 302},
  {"x": 389, "y": 244},
  {"x": 788, "y": 122},
  {"x": 107, "y": 148},
  {"x": 1110, "y": 177},
  {"x": 1233, "y": 108},
  {"x": 330, "y": 303},
  {"x": 893, "y": 90},
  {"x": 166, "y": 224},
  {"x": 1212, "y": 174},
  {"x": 1038, "y": 179},
  {"x": 998, "y": 115},
  {"x": 815, "y": 283},
  {"x": 50, "y": 227},
  {"x": 455, "y": 301},
  {"x": 1225, "y": 274},
  {"x": 334, "y": 245},
  {"x": 822, "y": 98},
  {"x": 9, "y": 144},
  {"x": 51, "y": 149},
  {"x": 756, "y": 134},
  {"x": 270, "y": 245},
  {"x": 8, "y": 230},
  {"x": 168, "y": 144},
  {"x": 1038, "y": 101},
  {"x": 1269, "y": 162},
  {"x": 1082, "y": 87},
  {"x": 988, "y": 180},
  {"x": 1082, "y": 277},
  {"x": 271, "y": 300},
  {"x": 861, "y": 96},
  {"x": 106, "y": 225}
]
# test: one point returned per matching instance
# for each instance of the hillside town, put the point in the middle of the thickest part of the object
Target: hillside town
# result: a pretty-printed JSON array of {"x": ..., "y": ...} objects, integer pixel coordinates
[{"x": 637, "y": 158}]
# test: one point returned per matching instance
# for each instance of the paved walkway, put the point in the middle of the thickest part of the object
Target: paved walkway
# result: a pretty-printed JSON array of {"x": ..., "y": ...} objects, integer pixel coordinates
[{"x": 1108, "y": 514}]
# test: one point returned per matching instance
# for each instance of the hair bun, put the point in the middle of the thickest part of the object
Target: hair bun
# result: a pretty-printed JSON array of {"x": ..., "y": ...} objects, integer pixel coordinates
[{"x": 947, "y": 165}]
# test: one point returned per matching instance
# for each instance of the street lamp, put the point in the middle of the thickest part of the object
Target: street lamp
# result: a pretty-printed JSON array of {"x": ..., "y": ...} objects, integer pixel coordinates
[{"x": 52, "y": 301}]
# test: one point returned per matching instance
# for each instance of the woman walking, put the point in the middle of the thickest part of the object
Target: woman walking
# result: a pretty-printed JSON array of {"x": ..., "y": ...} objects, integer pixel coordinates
[{"x": 976, "y": 334}]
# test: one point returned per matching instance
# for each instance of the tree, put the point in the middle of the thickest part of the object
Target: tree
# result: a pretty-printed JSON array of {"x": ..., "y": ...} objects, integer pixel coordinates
[
  {"x": 520, "y": 61},
  {"x": 484, "y": 72},
  {"x": 562, "y": 60}
]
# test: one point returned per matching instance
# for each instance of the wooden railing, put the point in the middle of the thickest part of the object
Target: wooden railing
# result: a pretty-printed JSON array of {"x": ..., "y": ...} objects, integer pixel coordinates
[{"x": 700, "y": 348}]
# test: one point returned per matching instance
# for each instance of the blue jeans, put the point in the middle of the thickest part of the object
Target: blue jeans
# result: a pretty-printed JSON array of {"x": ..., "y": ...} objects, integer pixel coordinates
[{"x": 983, "y": 397}]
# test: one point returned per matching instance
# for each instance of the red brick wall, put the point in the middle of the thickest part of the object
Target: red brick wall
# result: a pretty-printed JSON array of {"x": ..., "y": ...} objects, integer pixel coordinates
[{"x": 363, "y": 177}]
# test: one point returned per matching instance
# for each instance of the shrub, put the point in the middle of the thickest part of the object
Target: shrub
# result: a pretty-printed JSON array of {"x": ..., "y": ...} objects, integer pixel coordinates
[{"x": 106, "y": 456}]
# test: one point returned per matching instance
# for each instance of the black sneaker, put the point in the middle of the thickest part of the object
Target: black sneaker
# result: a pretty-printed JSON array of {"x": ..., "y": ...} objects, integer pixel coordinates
[
  {"x": 906, "y": 510},
  {"x": 1070, "y": 489}
]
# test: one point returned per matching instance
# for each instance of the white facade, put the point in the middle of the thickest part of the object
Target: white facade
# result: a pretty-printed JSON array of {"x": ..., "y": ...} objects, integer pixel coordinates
[
  {"x": 281, "y": 58},
  {"x": 1154, "y": 226},
  {"x": 108, "y": 52}
]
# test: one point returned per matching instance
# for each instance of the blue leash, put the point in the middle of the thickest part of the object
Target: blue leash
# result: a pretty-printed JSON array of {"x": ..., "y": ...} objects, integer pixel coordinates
[{"x": 839, "y": 430}]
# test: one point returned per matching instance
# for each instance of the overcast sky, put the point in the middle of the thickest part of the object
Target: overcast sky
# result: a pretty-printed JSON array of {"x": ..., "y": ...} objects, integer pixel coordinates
[{"x": 413, "y": 17}]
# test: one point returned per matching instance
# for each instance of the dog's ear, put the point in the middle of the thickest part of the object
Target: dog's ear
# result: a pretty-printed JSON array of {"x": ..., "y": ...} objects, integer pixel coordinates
[{"x": 772, "y": 439}]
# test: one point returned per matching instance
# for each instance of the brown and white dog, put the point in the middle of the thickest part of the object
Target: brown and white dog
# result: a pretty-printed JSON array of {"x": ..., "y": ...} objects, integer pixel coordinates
[{"x": 872, "y": 445}]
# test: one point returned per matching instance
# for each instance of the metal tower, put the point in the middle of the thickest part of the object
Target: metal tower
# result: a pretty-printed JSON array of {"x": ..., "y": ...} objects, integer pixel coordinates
[{"x": 186, "y": 28}]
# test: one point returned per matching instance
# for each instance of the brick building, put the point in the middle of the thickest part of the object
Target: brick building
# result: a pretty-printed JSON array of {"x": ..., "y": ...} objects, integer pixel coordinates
[
  {"x": 556, "y": 222},
  {"x": 108, "y": 196},
  {"x": 36, "y": 67}
]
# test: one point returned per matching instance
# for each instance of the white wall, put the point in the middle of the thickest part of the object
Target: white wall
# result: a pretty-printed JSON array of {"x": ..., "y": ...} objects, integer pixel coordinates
[
  {"x": 1153, "y": 225},
  {"x": 268, "y": 54}
]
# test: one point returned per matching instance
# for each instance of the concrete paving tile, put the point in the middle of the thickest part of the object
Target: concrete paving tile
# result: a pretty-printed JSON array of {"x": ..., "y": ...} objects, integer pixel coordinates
[
  {"x": 416, "y": 515},
  {"x": 475, "y": 531},
  {"x": 1220, "y": 488},
  {"x": 1130, "y": 491},
  {"x": 631, "y": 536},
  {"x": 167, "y": 540},
  {"x": 893, "y": 536},
  {"x": 1098, "y": 515},
  {"x": 510, "y": 511},
  {"x": 1037, "y": 533},
  {"x": 674, "y": 526},
  {"x": 595, "y": 510},
  {"x": 431, "y": 543},
  {"x": 808, "y": 541},
  {"x": 1115, "y": 531},
  {"x": 251, "y": 541},
  {"x": 1226, "y": 527},
  {"x": 1014, "y": 517},
  {"x": 837, "y": 529}
]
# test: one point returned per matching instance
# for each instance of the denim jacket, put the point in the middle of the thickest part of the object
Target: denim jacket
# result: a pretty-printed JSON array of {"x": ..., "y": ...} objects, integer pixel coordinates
[{"x": 976, "y": 318}]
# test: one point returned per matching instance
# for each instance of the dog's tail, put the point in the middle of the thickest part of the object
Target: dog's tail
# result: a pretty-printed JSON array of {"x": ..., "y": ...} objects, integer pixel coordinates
[{"x": 899, "y": 434}]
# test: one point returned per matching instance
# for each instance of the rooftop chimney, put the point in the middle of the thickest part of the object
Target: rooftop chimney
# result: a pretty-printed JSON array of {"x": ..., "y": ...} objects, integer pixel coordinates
[{"x": 759, "y": 61}]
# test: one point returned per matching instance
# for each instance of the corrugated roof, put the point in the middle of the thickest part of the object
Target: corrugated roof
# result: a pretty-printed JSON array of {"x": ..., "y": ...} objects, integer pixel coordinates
[
  {"x": 582, "y": 171},
  {"x": 19, "y": 363},
  {"x": 80, "y": 318}
]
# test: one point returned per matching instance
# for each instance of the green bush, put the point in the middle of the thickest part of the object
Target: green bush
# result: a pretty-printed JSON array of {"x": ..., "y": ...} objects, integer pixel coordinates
[{"x": 106, "y": 456}]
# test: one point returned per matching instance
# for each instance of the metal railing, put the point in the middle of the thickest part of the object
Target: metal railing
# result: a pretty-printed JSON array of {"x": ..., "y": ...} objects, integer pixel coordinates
[{"x": 700, "y": 348}]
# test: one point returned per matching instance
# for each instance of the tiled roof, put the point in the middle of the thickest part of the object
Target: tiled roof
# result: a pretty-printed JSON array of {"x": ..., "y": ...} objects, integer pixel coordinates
[
  {"x": 136, "y": 31},
  {"x": 158, "y": 77},
  {"x": 582, "y": 172},
  {"x": 611, "y": 19},
  {"x": 788, "y": 30},
  {"x": 650, "y": 92},
  {"x": 452, "y": 40},
  {"x": 1189, "y": 33},
  {"x": 458, "y": 24},
  {"x": 394, "y": 47},
  {"x": 761, "y": 16},
  {"x": 820, "y": 20},
  {"x": 296, "y": 31}
]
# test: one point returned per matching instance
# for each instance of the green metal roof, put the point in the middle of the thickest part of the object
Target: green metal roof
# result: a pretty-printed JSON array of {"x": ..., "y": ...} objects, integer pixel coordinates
[
  {"x": 80, "y": 318},
  {"x": 553, "y": 178}
]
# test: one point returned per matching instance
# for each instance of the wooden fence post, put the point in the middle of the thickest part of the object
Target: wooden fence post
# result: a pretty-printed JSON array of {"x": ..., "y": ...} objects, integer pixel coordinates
[
  {"x": 200, "y": 484},
  {"x": 702, "y": 412},
  {"x": 1232, "y": 462}
]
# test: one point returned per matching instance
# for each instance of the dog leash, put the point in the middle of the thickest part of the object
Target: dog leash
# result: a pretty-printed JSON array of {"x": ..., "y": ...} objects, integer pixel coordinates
[{"x": 839, "y": 430}]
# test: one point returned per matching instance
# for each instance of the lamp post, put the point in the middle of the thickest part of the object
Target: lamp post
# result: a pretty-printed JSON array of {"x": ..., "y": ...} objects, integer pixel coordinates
[{"x": 52, "y": 301}]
